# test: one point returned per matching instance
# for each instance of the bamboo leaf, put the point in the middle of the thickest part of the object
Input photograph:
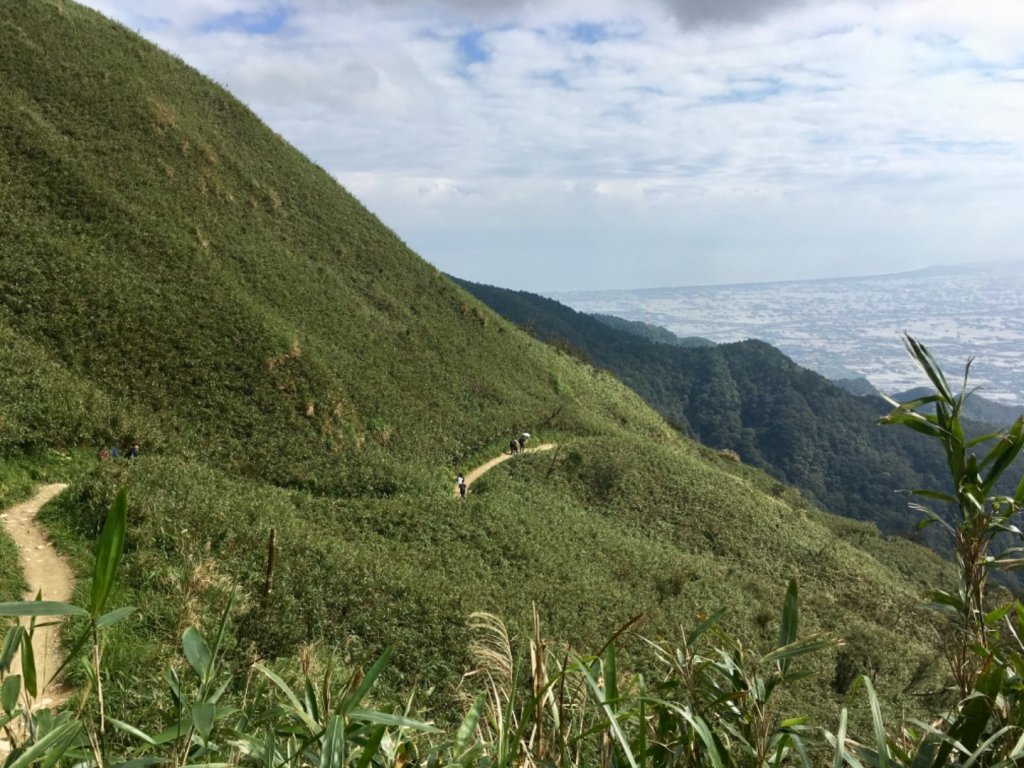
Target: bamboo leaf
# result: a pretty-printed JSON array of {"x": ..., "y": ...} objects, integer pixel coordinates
[
  {"x": 468, "y": 725},
  {"x": 108, "y": 552},
  {"x": 397, "y": 721},
  {"x": 371, "y": 747},
  {"x": 937, "y": 495},
  {"x": 810, "y": 644},
  {"x": 288, "y": 692},
  {"x": 332, "y": 755},
  {"x": 613, "y": 721},
  {"x": 113, "y": 617},
  {"x": 790, "y": 622},
  {"x": 131, "y": 730},
  {"x": 203, "y": 715},
  {"x": 10, "y": 647},
  {"x": 41, "y": 608},
  {"x": 927, "y": 363},
  {"x": 53, "y": 745},
  {"x": 367, "y": 682},
  {"x": 879, "y": 725},
  {"x": 611, "y": 689},
  {"x": 994, "y": 616},
  {"x": 703, "y": 627},
  {"x": 9, "y": 693},
  {"x": 28, "y": 665},
  {"x": 837, "y": 758},
  {"x": 197, "y": 652}
]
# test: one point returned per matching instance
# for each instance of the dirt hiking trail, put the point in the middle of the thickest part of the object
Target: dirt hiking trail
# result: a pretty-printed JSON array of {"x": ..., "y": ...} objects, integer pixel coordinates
[
  {"x": 44, "y": 570},
  {"x": 474, "y": 474}
]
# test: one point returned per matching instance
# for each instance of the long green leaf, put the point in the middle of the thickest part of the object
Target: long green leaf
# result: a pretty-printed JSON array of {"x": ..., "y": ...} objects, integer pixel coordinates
[
  {"x": 1005, "y": 452},
  {"x": 613, "y": 721},
  {"x": 10, "y": 647},
  {"x": 198, "y": 653},
  {"x": 397, "y": 721},
  {"x": 837, "y": 758},
  {"x": 41, "y": 608},
  {"x": 9, "y": 693},
  {"x": 371, "y": 746},
  {"x": 131, "y": 730},
  {"x": 108, "y": 553},
  {"x": 332, "y": 754},
  {"x": 811, "y": 644},
  {"x": 790, "y": 621},
  {"x": 203, "y": 716},
  {"x": 28, "y": 665},
  {"x": 927, "y": 363},
  {"x": 468, "y": 725},
  {"x": 53, "y": 745},
  {"x": 114, "y": 617},
  {"x": 354, "y": 700},
  {"x": 611, "y": 683},
  {"x": 879, "y": 725}
]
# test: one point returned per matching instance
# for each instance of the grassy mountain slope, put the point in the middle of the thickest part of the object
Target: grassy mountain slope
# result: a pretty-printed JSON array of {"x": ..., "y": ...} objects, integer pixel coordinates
[
  {"x": 750, "y": 398},
  {"x": 173, "y": 273}
]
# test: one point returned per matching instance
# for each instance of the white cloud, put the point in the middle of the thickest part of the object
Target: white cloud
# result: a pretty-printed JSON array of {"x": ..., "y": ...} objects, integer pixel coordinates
[{"x": 586, "y": 144}]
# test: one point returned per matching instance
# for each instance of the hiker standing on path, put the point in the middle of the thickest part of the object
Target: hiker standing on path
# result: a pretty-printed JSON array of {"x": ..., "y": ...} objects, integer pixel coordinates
[
  {"x": 522, "y": 441},
  {"x": 513, "y": 446},
  {"x": 461, "y": 481}
]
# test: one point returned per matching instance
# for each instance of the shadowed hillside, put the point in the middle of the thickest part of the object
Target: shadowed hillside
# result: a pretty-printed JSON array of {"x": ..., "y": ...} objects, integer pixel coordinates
[{"x": 173, "y": 273}]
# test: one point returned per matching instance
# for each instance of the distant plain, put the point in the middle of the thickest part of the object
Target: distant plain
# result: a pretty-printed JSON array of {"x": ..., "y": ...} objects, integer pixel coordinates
[{"x": 850, "y": 327}]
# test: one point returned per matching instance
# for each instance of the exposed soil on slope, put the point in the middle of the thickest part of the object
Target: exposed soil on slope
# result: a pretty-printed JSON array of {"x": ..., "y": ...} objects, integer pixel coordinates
[
  {"x": 474, "y": 474},
  {"x": 44, "y": 570}
]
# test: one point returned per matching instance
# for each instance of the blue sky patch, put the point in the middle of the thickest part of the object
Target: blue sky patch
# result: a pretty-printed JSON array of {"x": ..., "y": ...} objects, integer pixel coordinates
[
  {"x": 589, "y": 33},
  {"x": 471, "y": 49},
  {"x": 556, "y": 78},
  {"x": 266, "y": 23},
  {"x": 748, "y": 91}
]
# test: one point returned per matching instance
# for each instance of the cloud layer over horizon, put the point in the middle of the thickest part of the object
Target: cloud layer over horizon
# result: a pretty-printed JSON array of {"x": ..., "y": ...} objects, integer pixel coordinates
[{"x": 602, "y": 144}]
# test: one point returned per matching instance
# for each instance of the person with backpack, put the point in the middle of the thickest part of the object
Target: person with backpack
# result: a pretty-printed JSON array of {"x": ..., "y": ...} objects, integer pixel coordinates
[{"x": 461, "y": 482}]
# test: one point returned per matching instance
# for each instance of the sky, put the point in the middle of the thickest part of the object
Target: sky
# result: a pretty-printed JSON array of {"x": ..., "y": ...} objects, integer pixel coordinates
[{"x": 596, "y": 144}]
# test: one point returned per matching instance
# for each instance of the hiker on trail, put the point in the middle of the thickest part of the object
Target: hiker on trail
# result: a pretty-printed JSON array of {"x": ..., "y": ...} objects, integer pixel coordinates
[
  {"x": 462, "y": 485},
  {"x": 513, "y": 446},
  {"x": 522, "y": 440}
]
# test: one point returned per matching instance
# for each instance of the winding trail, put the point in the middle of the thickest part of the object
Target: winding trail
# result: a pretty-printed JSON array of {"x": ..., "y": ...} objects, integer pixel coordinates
[
  {"x": 44, "y": 570},
  {"x": 474, "y": 474}
]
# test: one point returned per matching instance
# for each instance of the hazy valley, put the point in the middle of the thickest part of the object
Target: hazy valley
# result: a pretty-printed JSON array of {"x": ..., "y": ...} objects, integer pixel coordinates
[{"x": 848, "y": 328}]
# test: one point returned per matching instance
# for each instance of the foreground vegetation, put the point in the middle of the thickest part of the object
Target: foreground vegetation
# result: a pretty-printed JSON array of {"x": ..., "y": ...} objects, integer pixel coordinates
[
  {"x": 174, "y": 274},
  {"x": 708, "y": 699}
]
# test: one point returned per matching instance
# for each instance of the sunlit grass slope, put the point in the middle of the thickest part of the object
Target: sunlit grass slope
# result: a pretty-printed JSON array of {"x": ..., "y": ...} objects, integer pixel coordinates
[{"x": 173, "y": 273}]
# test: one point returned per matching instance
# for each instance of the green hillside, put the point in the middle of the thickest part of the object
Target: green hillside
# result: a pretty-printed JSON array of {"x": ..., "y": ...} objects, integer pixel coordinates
[
  {"x": 750, "y": 398},
  {"x": 172, "y": 273}
]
